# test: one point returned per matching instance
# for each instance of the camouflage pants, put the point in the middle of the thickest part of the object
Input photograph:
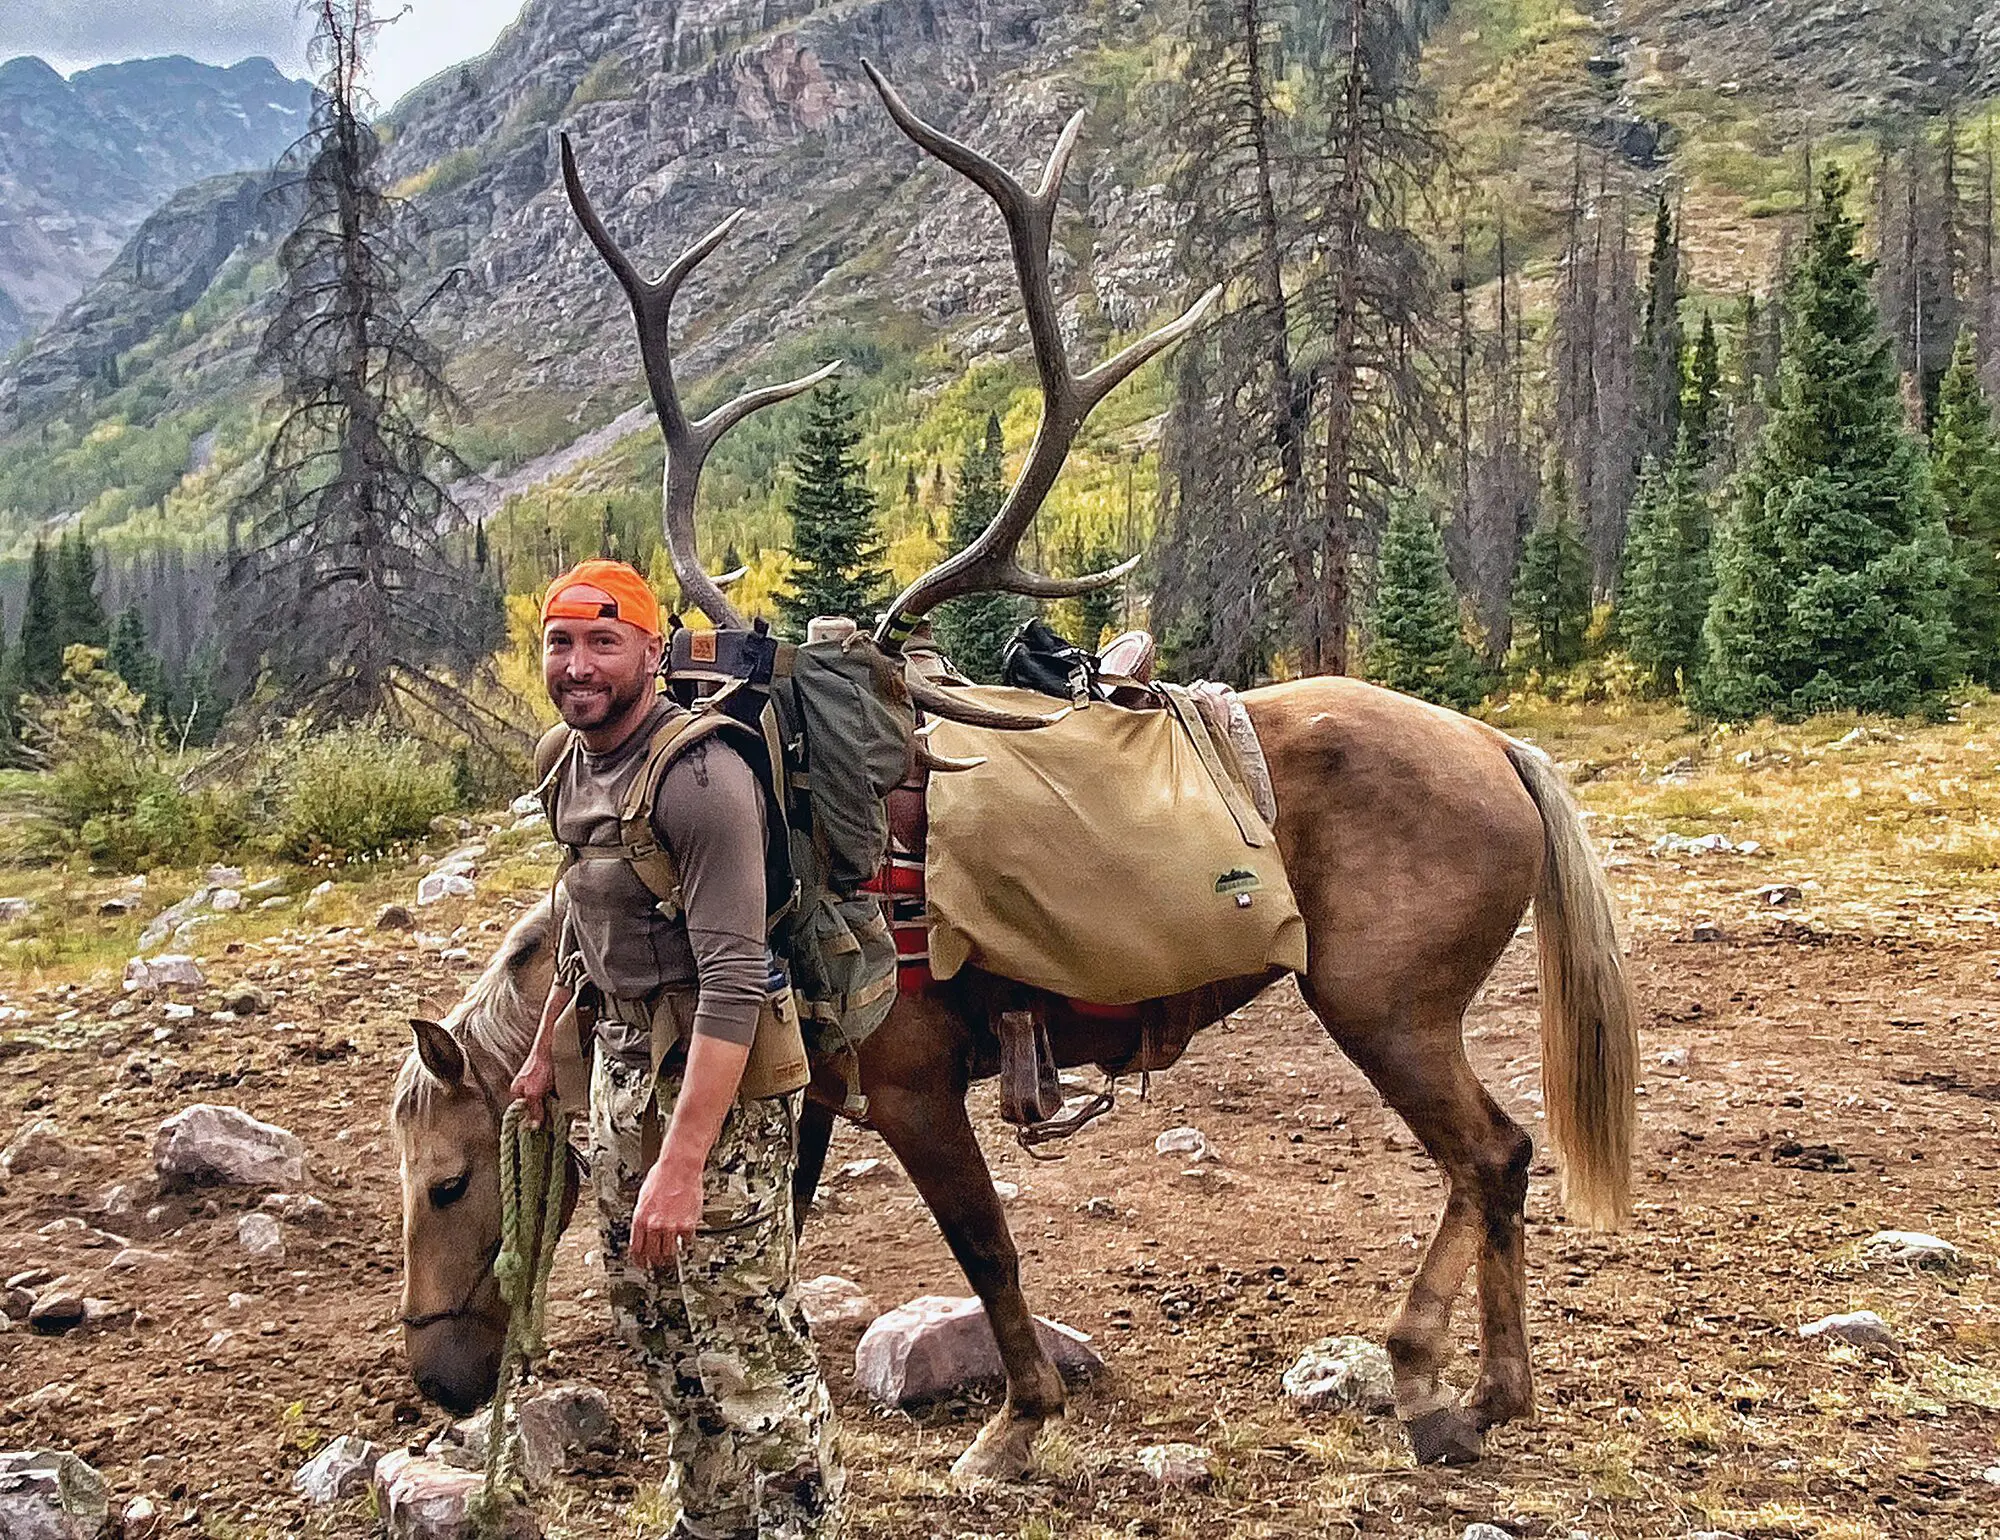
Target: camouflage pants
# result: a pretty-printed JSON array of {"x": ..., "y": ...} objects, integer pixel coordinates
[{"x": 750, "y": 1424}]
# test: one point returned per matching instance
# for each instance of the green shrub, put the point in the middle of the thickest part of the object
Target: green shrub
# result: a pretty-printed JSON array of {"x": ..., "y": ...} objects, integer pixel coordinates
[{"x": 356, "y": 793}]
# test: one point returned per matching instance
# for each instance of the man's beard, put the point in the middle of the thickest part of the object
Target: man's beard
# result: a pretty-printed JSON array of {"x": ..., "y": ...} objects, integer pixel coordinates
[{"x": 591, "y": 710}]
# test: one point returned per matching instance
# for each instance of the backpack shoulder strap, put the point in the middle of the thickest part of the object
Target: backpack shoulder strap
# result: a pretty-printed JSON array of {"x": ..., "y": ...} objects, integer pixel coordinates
[
  {"x": 554, "y": 750},
  {"x": 652, "y": 863}
]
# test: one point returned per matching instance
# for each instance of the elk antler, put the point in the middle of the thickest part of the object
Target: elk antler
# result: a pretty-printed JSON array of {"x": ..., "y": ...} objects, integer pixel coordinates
[
  {"x": 990, "y": 562},
  {"x": 688, "y": 442}
]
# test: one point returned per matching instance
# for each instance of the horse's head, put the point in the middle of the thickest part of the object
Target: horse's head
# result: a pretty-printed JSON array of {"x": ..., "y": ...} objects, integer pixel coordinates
[{"x": 449, "y": 1095}]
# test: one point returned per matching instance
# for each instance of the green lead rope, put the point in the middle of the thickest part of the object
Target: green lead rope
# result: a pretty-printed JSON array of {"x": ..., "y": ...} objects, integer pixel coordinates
[{"x": 532, "y": 1169}]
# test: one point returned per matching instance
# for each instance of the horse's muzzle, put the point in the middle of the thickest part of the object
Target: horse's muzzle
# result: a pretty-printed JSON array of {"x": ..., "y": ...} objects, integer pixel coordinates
[{"x": 455, "y": 1363}]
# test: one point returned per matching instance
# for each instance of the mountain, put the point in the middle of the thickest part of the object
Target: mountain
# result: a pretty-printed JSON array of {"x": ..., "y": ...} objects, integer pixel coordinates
[
  {"x": 683, "y": 110},
  {"x": 84, "y": 160}
]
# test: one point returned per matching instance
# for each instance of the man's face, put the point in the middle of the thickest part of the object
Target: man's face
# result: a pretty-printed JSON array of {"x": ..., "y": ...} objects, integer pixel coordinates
[{"x": 597, "y": 670}]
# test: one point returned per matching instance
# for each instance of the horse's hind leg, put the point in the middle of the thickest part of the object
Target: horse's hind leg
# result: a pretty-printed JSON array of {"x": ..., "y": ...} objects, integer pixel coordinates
[
  {"x": 1417, "y": 1061},
  {"x": 932, "y": 1137}
]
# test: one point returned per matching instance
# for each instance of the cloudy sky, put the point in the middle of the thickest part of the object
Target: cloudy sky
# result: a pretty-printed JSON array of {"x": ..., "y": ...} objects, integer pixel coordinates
[{"x": 428, "y": 36}]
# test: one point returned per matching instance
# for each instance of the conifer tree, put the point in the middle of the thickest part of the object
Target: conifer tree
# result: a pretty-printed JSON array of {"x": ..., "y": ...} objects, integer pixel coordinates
[
  {"x": 80, "y": 612},
  {"x": 1701, "y": 394},
  {"x": 1833, "y": 568},
  {"x": 973, "y": 630},
  {"x": 1660, "y": 340},
  {"x": 130, "y": 657},
  {"x": 1552, "y": 587},
  {"x": 1418, "y": 641},
  {"x": 836, "y": 549},
  {"x": 1664, "y": 592},
  {"x": 41, "y": 645},
  {"x": 1965, "y": 468}
]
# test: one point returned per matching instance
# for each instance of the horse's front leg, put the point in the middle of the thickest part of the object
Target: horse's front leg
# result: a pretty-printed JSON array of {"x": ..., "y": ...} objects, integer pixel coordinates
[
  {"x": 920, "y": 1112},
  {"x": 815, "y": 1134}
]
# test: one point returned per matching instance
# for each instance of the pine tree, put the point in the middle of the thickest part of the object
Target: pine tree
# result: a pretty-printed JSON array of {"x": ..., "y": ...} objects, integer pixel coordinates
[
  {"x": 131, "y": 657},
  {"x": 836, "y": 550},
  {"x": 1701, "y": 394},
  {"x": 1660, "y": 348},
  {"x": 1418, "y": 641},
  {"x": 1965, "y": 469},
  {"x": 80, "y": 613},
  {"x": 1833, "y": 568},
  {"x": 972, "y": 631},
  {"x": 1664, "y": 592},
  {"x": 41, "y": 645},
  {"x": 1552, "y": 588}
]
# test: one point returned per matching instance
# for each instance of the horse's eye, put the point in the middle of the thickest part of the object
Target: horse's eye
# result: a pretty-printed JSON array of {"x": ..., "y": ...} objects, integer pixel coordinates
[{"x": 444, "y": 1194}]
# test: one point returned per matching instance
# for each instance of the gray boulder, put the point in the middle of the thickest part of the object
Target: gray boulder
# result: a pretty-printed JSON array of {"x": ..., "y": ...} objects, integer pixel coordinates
[
  {"x": 831, "y": 1301},
  {"x": 341, "y": 1470},
  {"x": 49, "y": 1494},
  {"x": 37, "y": 1147},
  {"x": 559, "y": 1424},
  {"x": 1912, "y": 1247},
  {"x": 937, "y": 1346},
  {"x": 1342, "y": 1374},
  {"x": 168, "y": 972},
  {"x": 424, "y": 1499},
  {"x": 1857, "y": 1328},
  {"x": 260, "y": 1235},
  {"x": 58, "y": 1308},
  {"x": 209, "y": 1143}
]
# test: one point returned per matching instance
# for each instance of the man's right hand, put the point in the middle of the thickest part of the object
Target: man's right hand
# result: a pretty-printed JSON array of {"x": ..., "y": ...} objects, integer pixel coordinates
[{"x": 534, "y": 1084}]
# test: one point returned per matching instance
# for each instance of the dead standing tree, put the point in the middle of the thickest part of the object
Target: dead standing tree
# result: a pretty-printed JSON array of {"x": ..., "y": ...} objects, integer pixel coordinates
[{"x": 355, "y": 589}]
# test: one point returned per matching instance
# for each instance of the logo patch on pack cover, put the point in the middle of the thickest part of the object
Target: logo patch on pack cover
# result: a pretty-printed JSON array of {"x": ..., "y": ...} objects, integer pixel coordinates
[
  {"x": 1236, "y": 880},
  {"x": 701, "y": 647}
]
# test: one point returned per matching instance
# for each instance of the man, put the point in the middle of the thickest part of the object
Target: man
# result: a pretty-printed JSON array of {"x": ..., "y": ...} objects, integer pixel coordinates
[{"x": 698, "y": 1241}]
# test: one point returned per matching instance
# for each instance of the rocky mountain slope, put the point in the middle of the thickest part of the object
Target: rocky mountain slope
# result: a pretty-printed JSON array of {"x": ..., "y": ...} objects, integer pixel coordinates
[
  {"x": 83, "y": 161},
  {"x": 683, "y": 110}
]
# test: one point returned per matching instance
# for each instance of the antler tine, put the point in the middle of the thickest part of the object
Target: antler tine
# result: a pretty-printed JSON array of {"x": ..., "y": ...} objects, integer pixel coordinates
[
  {"x": 688, "y": 443},
  {"x": 990, "y": 562}
]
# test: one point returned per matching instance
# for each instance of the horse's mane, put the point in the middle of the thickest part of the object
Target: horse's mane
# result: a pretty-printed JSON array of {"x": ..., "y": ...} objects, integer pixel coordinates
[{"x": 495, "y": 1022}]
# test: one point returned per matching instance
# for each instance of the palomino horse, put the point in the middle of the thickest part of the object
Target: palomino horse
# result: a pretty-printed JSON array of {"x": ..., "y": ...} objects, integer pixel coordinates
[{"x": 1415, "y": 839}]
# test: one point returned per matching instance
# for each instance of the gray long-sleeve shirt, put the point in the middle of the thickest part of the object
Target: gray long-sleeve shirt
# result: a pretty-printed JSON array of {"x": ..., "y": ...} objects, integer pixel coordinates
[{"x": 709, "y": 815}]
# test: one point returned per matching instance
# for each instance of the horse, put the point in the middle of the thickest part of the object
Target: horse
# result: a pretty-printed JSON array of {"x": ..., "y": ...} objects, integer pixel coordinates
[{"x": 1415, "y": 840}]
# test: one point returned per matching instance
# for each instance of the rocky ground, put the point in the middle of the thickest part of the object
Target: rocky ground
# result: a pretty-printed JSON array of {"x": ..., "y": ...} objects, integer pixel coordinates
[{"x": 1808, "y": 1083}]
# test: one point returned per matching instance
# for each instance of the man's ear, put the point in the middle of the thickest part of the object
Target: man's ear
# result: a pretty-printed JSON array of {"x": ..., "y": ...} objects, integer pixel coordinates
[{"x": 439, "y": 1051}]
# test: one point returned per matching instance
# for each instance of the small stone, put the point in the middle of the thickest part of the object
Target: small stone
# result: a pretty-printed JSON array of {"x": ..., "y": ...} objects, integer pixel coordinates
[
  {"x": 31, "y": 1278},
  {"x": 139, "y": 1520},
  {"x": 37, "y": 1147},
  {"x": 395, "y": 917},
  {"x": 58, "y": 1309},
  {"x": 169, "y": 971},
  {"x": 1187, "y": 1143},
  {"x": 1723, "y": 1534},
  {"x": 1098, "y": 1208},
  {"x": 871, "y": 1169},
  {"x": 1858, "y": 1328},
  {"x": 15, "y": 1303},
  {"x": 438, "y": 886},
  {"x": 525, "y": 804},
  {"x": 830, "y": 1301},
  {"x": 1706, "y": 930},
  {"x": 1777, "y": 895},
  {"x": 1673, "y": 1058},
  {"x": 246, "y": 999},
  {"x": 1177, "y": 1465},
  {"x": 12, "y": 909},
  {"x": 298, "y": 1208},
  {"x": 265, "y": 886},
  {"x": 49, "y": 1494},
  {"x": 261, "y": 1236},
  {"x": 1485, "y": 1532},
  {"x": 225, "y": 876},
  {"x": 936, "y": 1346},
  {"x": 339, "y": 1471},
  {"x": 1006, "y": 1192},
  {"x": 278, "y": 901},
  {"x": 118, "y": 904},
  {"x": 1911, "y": 1246},
  {"x": 1342, "y": 1374},
  {"x": 424, "y": 1499},
  {"x": 455, "y": 954},
  {"x": 225, "y": 899},
  {"x": 105, "y": 1314},
  {"x": 177, "y": 1010},
  {"x": 559, "y": 1424},
  {"x": 121, "y": 1200},
  {"x": 207, "y": 1143},
  {"x": 135, "y": 1259}
]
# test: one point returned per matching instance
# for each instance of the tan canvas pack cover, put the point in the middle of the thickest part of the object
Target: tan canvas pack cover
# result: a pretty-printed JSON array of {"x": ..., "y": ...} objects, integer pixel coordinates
[{"x": 1100, "y": 859}]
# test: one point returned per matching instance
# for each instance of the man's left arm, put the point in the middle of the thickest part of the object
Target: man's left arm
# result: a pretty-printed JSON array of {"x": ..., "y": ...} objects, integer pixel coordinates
[{"x": 710, "y": 812}]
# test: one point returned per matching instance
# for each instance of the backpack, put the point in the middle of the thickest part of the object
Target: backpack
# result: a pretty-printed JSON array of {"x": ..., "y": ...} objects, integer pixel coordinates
[
  {"x": 827, "y": 747},
  {"x": 1039, "y": 658}
]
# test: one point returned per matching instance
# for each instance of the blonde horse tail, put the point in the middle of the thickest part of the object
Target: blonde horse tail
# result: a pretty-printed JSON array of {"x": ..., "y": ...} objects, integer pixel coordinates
[{"x": 1590, "y": 1033}]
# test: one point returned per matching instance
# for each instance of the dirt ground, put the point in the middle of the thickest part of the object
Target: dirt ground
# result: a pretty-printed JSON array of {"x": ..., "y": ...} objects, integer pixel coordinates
[{"x": 1803, "y": 1088}]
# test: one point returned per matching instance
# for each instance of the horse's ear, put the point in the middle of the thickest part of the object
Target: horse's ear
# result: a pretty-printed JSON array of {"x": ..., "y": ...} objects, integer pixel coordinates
[{"x": 439, "y": 1051}]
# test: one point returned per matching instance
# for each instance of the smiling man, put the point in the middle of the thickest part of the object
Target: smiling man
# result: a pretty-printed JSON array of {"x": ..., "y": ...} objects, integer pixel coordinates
[{"x": 663, "y": 943}]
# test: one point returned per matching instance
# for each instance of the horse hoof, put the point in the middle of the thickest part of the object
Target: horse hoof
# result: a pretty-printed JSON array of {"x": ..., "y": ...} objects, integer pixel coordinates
[
  {"x": 1446, "y": 1436},
  {"x": 1002, "y": 1452}
]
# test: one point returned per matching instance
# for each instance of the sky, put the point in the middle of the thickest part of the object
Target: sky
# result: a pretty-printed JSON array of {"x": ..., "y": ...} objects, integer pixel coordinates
[{"x": 427, "y": 35}]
